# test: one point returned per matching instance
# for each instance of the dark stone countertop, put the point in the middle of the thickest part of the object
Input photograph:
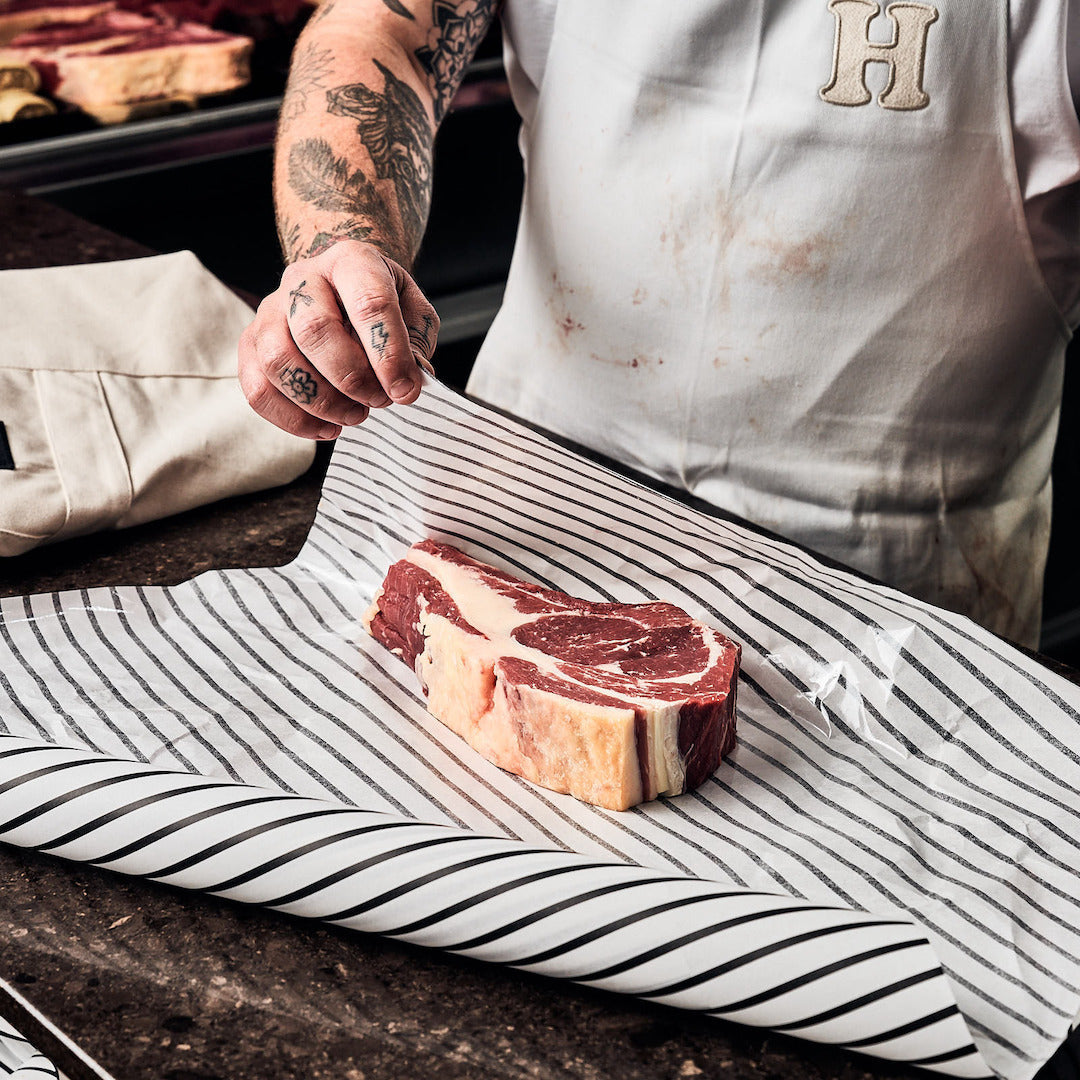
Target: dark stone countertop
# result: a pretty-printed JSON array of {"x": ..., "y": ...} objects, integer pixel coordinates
[{"x": 154, "y": 982}]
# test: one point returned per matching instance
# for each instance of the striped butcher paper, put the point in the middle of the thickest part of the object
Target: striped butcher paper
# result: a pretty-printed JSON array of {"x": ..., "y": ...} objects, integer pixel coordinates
[
  {"x": 887, "y": 861},
  {"x": 20, "y": 1061}
]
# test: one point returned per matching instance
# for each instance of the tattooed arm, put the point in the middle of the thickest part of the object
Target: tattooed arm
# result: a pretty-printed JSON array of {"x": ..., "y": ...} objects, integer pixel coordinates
[{"x": 370, "y": 82}]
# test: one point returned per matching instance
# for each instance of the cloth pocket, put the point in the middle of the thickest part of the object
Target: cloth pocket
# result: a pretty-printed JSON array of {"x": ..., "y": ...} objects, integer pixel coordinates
[{"x": 119, "y": 400}]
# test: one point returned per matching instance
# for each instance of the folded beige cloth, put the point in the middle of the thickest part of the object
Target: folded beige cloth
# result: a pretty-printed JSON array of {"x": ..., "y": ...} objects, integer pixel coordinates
[{"x": 119, "y": 401}]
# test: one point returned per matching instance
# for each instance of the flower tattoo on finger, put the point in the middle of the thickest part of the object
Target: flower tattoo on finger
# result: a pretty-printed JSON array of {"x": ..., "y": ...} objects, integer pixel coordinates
[{"x": 300, "y": 385}]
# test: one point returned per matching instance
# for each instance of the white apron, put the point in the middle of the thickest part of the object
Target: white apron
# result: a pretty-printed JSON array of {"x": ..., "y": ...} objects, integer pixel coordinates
[{"x": 775, "y": 253}]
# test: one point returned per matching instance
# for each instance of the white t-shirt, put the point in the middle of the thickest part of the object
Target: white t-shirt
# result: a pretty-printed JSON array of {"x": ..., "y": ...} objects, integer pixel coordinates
[
  {"x": 1044, "y": 83},
  {"x": 839, "y": 311}
]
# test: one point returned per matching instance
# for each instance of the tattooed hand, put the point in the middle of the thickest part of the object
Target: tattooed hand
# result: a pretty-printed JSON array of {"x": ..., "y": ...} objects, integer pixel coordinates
[{"x": 346, "y": 331}]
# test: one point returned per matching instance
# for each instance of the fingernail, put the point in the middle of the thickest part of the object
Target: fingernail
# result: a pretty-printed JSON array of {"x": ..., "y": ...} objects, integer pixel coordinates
[
  {"x": 356, "y": 415},
  {"x": 328, "y": 431},
  {"x": 402, "y": 389},
  {"x": 380, "y": 402}
]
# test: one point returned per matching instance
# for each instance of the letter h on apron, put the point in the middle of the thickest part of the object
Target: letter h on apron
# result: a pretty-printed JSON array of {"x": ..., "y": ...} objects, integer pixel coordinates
[{"x": 906, "y": 56}]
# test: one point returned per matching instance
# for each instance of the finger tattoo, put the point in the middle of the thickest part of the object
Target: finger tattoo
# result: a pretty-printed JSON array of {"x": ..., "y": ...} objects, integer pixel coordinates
[
  {"x": 300, "y": 385},
  {"x": 419, "y": 337},
  {"x": 379, "y": 338},
  {"x": 297, "y": 295}
]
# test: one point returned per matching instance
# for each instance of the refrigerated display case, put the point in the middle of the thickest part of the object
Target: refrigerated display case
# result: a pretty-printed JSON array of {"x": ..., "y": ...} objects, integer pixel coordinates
[{"x": 200, "y": 179}]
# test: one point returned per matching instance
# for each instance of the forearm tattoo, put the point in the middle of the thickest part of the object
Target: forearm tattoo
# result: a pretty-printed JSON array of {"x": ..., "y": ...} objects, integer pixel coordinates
[
  {"x": 393, "y": 126},
  {"x": 329, "y": 182},
  {"x": 289, "y": 237},
  {"x": 347, "y": 230},
  {"x": 324, "y": 9},
  {"x": 289, "y": 233},
  {"x": 395, "y": 130},
  {"x": 307, "y": 75}
]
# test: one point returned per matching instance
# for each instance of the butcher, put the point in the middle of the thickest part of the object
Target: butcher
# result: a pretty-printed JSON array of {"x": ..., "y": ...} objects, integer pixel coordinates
[{"x": 813, "y": 261}]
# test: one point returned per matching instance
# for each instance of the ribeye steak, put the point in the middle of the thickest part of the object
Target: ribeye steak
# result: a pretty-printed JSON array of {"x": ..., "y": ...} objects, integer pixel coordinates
[
  {"x": 70, "y": 38},
  {"x": 121, "y": 56},
  {"x": 17, "y": 16},
  {"x": 613, "y": 703}
]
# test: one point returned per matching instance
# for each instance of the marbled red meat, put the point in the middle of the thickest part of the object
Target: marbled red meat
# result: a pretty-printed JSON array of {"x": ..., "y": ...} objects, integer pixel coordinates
[
  {"x": 45, "y": 42},
  {"x": 123, "y": 57},
  {"x": 18, "y": 16},
  {"x": 612, "y": 703}
]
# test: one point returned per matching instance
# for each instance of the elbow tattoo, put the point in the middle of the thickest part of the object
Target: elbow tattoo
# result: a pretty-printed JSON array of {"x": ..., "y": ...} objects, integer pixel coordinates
[{"x": 457, "y": 30}]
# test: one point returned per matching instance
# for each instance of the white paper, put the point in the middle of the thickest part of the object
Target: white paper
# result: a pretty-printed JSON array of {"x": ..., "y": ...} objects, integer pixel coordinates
[
  {"x": 896, "y": 764},
  {"x": 20, "y": 1061}
]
